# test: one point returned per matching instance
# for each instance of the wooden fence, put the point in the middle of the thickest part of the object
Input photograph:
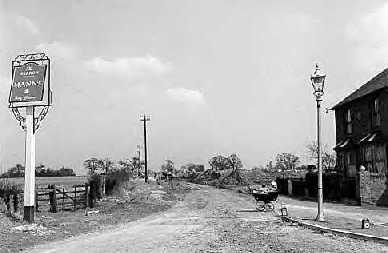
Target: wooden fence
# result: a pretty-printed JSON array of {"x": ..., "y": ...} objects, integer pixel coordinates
[
  {"x": 57, "y": 198},
  {"x": 51, "y": 198}
]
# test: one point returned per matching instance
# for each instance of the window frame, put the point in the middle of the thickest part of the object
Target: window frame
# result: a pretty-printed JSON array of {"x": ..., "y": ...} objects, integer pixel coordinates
[
  {"x": 348, "y": 122},
  {"x": 376, "y": 112}
]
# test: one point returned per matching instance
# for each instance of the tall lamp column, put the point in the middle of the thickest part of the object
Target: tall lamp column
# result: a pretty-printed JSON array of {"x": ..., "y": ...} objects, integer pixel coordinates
[{"x": 318, "y": 82}]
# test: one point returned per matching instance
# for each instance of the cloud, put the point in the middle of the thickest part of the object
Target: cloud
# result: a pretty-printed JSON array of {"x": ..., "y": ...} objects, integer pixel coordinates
[
  {"x": 186, "y": 96},
  {"x": 131, "y": 68},
  {"x": 370, "y": 36},
  {"x": 27, "y": 24},
  {"x": 57, "y": 49}
]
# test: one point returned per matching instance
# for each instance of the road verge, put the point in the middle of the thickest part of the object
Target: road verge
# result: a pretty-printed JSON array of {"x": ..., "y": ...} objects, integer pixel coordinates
[{"x": 335, "y": 231}]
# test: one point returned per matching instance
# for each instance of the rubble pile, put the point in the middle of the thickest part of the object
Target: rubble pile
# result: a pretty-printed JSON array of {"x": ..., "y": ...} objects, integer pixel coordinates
[
  {"x": 138, "y": 190},
  {"x": 208, "y": 177}
]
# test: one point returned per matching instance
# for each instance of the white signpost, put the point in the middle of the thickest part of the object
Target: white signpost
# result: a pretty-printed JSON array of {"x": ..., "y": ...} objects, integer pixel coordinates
[{"x": 30, "y": 89}]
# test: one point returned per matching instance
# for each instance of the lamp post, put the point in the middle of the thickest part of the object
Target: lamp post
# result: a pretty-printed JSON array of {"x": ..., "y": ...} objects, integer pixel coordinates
[{"x": 318, "y": 82}]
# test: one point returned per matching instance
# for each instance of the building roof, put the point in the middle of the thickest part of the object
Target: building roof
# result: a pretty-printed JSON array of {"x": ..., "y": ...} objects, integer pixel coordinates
[{"x": 376, "y": 83}]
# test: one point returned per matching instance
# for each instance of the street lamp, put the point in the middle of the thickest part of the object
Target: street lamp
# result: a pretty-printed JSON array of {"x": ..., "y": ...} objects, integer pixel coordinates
[{"x": 318, "y": 82}]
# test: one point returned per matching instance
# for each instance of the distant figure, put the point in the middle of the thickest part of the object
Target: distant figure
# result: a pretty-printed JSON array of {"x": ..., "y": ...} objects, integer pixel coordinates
[{"x": 362, "y": 168}]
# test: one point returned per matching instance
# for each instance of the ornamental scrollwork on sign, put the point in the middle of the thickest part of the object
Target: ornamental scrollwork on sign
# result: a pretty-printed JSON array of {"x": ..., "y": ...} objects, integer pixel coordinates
[
  {"x": 31, "y": 57},
  {"x": 19, "y": 118},
  {"x": 40, "y": 117}
]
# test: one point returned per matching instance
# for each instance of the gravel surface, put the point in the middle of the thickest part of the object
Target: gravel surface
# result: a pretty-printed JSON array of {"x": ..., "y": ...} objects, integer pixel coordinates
[
  {"x": 16, "y": 236},
  {"x": 210, "y": 220}
]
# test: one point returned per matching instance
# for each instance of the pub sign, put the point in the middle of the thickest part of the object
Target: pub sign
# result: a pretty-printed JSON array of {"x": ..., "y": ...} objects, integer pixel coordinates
[{"x": 28, "y": 83}]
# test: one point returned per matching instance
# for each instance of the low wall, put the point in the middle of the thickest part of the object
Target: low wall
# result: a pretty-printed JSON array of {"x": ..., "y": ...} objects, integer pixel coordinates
[{"x": 373, "y": 189}]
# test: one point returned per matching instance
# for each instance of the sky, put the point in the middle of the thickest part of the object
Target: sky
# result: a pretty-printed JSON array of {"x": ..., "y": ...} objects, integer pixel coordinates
[{"x": 216, "y": 77}]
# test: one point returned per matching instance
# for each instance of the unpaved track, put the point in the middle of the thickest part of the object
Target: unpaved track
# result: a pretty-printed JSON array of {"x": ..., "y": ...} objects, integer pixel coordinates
[{"x": 210, "y": 220}]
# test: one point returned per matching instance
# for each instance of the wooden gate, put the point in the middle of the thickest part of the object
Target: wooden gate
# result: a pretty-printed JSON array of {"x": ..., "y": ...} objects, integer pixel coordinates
[{"x": 62, "y": 198}]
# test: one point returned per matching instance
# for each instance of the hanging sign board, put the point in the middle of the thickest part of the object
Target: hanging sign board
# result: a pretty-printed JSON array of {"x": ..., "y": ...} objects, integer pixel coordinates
[{"x": 28, "y": 83}]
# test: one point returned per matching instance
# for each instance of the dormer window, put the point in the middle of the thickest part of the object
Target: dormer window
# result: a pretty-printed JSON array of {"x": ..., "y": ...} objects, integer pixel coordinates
[{"x": 348, "y": 120}]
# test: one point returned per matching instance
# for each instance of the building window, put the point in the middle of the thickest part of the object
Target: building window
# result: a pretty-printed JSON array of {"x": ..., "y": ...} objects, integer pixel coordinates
[
  {"x": 348, "y": 120},
  {"x": 376, "y": 116},
  {"x": 368, "y": 157},
  {"x": 373, "y": 158},
  {"x": 380, "y": 159}
]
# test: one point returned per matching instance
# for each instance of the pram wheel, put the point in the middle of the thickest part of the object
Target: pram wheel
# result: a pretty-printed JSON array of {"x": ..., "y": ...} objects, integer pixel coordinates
[
  {"x": 260, "y": 207},
  {"x": 270, "y": 206}
]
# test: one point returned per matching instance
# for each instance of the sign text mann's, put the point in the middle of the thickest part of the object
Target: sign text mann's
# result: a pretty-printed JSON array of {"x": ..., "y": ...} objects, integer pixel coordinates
[{"x": 28, "y": 83}]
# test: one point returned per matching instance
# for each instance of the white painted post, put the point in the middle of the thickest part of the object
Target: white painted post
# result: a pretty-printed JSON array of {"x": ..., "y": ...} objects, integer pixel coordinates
[{"x": 29, "y": 172}]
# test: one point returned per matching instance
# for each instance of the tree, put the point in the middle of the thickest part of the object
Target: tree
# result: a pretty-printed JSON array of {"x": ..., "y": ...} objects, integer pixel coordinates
[
  {"x": 16, "y": 171},
  {"x": 92, "y": 165},
  {"x": 168, "y": 167},
  {"x": 286, "y": 162},
  {"x": 220, "y": 162},
  {"x": 136, "y": 164},
  {"x": 106, "y": 165},
  {"x": 235, "y": 162},
  {"x": 328, "y": 158},
  {"x": 127, "y": 166}
]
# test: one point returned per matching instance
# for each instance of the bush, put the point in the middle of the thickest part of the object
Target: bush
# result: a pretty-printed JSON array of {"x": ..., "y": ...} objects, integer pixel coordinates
[
  {"x": 95, "y": 190},
  {"x": 115, "y": 179},
  {"x": 7, "y": 190}
]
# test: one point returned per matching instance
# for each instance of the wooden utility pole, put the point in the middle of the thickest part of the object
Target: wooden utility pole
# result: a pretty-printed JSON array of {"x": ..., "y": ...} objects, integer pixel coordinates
[
  {"x": 145, "y": 118},
  {"x": 139, "y": 164}
]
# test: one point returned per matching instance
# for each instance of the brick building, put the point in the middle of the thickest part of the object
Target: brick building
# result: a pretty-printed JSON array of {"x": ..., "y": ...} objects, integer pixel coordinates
[{"x": 361, "y": 139}]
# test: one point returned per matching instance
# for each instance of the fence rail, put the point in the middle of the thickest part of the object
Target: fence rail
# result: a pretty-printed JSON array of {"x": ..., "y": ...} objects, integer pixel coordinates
[
  {"x": 52, "y": 198},
  {"x": 61, "y": 198}
]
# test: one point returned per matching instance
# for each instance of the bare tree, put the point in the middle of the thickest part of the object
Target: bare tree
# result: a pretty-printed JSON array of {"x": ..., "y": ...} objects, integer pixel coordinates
[
  {"x": 328, "y": 158},
  {"x": 286, "y": 161}
]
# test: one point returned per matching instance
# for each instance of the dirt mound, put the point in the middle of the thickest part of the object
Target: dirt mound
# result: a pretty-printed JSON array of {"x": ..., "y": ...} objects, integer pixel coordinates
[{"x": 138, "y": 190}]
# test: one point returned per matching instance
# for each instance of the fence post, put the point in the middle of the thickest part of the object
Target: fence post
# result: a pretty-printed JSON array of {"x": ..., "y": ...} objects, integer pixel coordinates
[
  {"x": 8, "y": 203},
  {"x": 15, "y": 203},
  {"x": 63, "y": 198},
  {"x": 86, "y": 195},
  {"x": 53, "y": 198},
  {"x": 36, "y": 201},
  {"x": 93, "y": 190},
  {"x": 75, "y": 197}
]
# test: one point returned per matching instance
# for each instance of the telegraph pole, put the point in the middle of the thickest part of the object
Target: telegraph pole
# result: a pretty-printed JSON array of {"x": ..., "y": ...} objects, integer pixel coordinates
[
  {"x": 139, "y": 157},
  {"x": 145, "y": 118}
]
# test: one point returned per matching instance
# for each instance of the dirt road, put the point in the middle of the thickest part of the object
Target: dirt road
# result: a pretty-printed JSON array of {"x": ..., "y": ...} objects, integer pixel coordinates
[{"x": 210, "y": 220}]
